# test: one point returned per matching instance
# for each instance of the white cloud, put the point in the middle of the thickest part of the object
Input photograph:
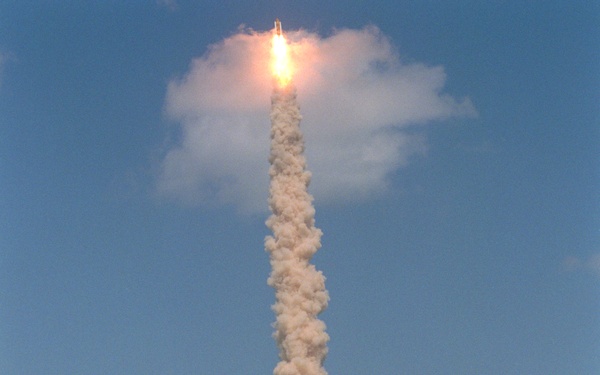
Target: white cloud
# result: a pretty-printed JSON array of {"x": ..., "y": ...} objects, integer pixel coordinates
[{"x": 357, "y": 99}]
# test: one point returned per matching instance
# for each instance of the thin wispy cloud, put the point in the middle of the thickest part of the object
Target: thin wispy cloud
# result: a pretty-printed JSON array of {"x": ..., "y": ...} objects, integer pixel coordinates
[
  {"x": 591, "y": 264},
  {"x": 358, "y": 100},
  {"x": 169, "y": 4},
  {"x": 4, "y": 58}
]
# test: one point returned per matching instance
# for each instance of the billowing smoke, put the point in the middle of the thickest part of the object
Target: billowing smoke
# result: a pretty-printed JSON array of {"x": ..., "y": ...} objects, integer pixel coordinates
[
  {"x": 359, "y": 99},
  {"x": 365, "y": 108},
  {"x": 299, "y": 287}
]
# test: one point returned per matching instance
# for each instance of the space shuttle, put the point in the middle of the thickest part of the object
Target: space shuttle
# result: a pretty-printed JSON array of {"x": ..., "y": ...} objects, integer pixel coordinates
[{"x": 277, "y": 26}]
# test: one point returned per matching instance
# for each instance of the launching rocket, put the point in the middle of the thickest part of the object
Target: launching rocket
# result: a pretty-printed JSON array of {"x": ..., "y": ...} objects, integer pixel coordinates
[{"x": 278, "y": 26}]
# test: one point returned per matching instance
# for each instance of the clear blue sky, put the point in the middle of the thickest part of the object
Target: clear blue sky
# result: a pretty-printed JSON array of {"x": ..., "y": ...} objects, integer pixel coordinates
[{"x": 482, "y": 255}]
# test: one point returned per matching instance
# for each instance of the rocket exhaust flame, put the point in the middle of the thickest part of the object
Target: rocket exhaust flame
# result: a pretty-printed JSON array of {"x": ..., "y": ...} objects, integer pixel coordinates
[
  {"x": 299, "y": 288},
  {"x": 281, "y": 64}
]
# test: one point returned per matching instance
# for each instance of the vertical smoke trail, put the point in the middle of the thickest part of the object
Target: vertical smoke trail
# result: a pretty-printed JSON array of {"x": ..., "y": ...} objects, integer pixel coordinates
[{"x": 299, "y": 288}]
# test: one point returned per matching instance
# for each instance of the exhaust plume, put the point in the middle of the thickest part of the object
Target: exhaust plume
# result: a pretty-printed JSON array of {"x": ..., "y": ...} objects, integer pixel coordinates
[{"x": 299, "y": 288}]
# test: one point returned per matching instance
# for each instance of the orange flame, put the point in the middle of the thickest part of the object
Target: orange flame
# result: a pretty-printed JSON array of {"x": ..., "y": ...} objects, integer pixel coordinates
[{"x": 281, "y": 63}]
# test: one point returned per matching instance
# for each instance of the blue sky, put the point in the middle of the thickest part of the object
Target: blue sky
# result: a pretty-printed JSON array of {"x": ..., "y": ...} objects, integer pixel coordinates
[{"x": 474, "y": 250}]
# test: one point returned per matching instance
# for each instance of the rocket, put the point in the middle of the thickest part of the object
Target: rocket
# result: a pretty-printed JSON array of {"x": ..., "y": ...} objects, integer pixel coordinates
[{"x": 277, "y": 26}]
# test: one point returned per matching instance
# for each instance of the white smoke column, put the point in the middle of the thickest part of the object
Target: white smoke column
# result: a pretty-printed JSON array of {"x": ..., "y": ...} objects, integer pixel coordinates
[{"x": 299, "y": 288}]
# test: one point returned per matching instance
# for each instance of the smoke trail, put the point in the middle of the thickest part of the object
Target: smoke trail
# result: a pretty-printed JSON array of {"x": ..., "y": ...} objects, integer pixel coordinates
[{"x": 299, "y": 288}]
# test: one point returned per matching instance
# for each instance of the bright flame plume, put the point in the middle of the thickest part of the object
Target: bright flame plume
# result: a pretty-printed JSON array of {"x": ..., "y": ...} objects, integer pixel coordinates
[{"x": 281, "y": 64}]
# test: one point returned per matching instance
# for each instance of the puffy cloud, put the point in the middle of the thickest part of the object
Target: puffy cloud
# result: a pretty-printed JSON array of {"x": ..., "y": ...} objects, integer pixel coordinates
[{"x": 358, "y": 100}]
